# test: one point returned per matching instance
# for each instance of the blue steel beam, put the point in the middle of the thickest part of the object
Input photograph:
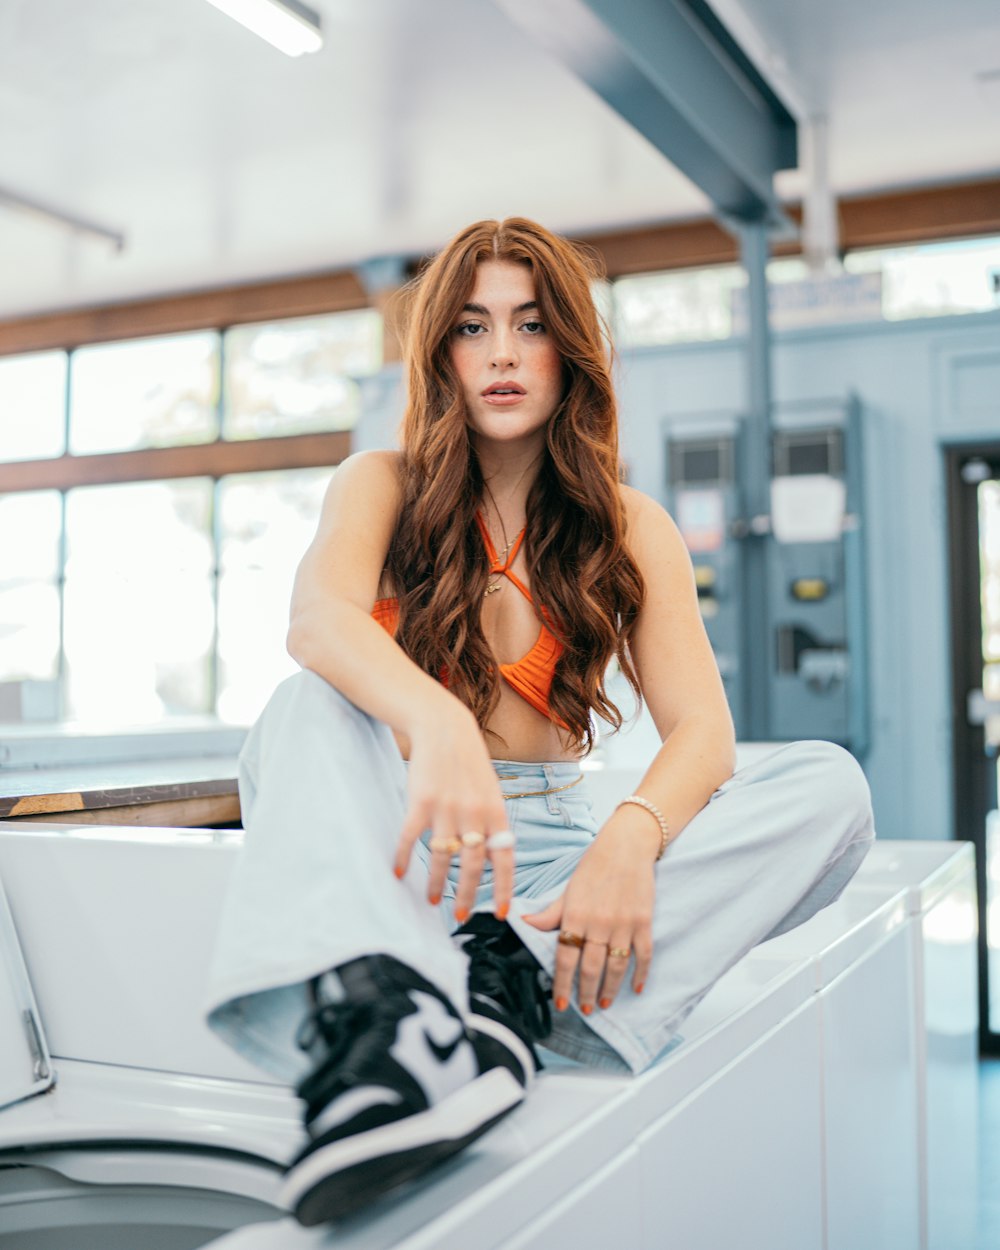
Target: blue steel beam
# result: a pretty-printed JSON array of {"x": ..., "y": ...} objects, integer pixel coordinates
[
  {"x": 754, "y": 474},
  {"x": 673, "y": 72}
]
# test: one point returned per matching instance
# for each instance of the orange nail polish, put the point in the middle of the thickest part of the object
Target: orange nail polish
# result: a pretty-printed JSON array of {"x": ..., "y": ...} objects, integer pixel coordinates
[
  {"x": 435, "y": 899},
  {"x": 586, "y": 1008},
  {"x": 398, "y": 873},
  {"x": 502, "y": 911},
  {"x": 638, "y": 988},
  {"x": 561, "y": 1004},
  {"x": 461, "y": 915},
  {"x": 605, "y": 1003}
]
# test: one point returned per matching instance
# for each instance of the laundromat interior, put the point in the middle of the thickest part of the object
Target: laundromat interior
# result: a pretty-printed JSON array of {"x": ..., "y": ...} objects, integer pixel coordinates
[{"x": 796, "y": 210}]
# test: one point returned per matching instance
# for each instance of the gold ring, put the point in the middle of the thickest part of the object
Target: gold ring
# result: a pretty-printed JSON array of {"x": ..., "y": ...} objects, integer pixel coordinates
[
  {"x": 472, "y": 839},
  {"x": 620, "y": 952},
  {"x": 571, "y": 939},
  {"x": 449, "y": 846}
]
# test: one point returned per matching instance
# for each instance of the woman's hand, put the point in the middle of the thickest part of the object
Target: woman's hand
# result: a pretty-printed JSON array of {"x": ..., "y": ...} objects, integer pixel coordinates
[
  {"x": 454, "y": 792},
  {"x": 608, "y": 903}
]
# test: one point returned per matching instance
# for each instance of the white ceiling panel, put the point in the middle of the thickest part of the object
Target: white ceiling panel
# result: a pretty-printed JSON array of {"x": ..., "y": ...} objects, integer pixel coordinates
[{"x": 223, "y": 161}]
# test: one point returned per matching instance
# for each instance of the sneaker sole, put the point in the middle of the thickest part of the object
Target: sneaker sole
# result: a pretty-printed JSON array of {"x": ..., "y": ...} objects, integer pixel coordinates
[{"x": 336, "y": 1181}]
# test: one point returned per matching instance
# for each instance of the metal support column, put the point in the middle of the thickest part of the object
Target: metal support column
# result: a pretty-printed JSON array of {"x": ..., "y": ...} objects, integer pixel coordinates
[
  {"x": 755, "y": 482},
  {"x": 673, "y": 71}
]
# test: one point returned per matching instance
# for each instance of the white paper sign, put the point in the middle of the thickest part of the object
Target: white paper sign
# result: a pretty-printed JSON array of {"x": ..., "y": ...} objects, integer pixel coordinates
[{"x": 807, "y": 508}]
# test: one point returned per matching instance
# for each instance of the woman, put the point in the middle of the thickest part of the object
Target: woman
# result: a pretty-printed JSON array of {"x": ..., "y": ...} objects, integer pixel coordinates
[{"x": 458, "y": 610}]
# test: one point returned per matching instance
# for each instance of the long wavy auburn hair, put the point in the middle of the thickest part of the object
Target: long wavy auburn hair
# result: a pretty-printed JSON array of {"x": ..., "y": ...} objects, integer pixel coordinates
[{"x": 580, "y": 570}]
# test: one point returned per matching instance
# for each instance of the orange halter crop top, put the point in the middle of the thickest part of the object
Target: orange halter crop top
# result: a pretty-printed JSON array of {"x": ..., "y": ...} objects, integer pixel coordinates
[{"x": 531, "y": 675}]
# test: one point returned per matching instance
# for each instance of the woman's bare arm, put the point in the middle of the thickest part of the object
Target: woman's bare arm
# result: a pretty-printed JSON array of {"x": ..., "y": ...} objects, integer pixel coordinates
[
  {"x": 452, "y": 786},
  {"x": 678, "y": 675},
  {"x": 610, "y": 897},
  {"x": 331, "y": 629}
]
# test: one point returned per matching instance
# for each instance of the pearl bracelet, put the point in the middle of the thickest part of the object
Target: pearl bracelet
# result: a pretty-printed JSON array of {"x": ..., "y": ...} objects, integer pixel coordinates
[{"x": 657, "y": 815}]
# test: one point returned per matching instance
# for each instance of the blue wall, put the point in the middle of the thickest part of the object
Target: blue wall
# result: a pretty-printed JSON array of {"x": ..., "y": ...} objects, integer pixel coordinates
[{"x": 922, "y": 384}]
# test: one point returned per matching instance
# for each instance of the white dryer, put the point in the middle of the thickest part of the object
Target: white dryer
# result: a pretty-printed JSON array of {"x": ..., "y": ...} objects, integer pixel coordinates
[{"x": 123, "y": 1122}]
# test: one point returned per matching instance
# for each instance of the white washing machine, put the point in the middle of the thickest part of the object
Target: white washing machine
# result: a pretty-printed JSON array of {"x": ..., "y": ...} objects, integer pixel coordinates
[
  {"x": 863, "y": 960},
  {"x": 123, "y": 1122},
  {"x": 940, "y": 882}
]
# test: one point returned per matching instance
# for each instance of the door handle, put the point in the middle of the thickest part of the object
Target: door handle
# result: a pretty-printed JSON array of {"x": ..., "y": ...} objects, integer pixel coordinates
[
  {"x": 985, "y": 712},
  {"x": 978, "y": 709}
]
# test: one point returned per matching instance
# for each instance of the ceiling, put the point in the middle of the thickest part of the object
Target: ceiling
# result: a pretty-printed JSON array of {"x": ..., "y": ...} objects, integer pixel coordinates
[{"x": 222, "y": 161}]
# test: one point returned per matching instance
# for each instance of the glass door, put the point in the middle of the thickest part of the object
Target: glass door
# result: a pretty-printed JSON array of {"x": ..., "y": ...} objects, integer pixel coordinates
[{"x": 974, "y": 540}]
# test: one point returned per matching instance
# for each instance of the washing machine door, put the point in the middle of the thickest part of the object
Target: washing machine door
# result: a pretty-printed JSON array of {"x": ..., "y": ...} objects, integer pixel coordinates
[{"x": 25, "y": 1067}]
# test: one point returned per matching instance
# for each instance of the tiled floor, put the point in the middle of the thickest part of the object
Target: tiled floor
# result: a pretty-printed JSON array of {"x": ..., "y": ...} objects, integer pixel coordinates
[{"x": 989, "y": 1156}]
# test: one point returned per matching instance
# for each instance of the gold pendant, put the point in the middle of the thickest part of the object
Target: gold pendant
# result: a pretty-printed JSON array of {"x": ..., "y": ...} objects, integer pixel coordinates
[{"x": 490, "y": 589}]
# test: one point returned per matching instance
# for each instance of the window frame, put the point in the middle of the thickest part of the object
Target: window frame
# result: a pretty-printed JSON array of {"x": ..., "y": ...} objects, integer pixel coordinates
[{"x": 215, "y": 460}]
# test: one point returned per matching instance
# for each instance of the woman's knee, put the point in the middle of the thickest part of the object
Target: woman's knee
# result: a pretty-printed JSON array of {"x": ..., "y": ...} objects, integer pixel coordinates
[
  {"x": 305, "y": 703},
  {"x": 306, "y": 690},
  {"x": 834, "y": 778}
]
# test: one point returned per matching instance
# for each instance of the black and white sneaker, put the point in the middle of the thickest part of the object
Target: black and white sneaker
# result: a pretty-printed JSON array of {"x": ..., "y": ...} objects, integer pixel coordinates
[
  {"x": 509, "y": 992},
  {"x": 399, "y": 1085}
]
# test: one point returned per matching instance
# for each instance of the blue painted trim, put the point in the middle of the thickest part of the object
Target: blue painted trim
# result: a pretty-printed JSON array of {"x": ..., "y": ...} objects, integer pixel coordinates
[{"x": 858, "y": 330}]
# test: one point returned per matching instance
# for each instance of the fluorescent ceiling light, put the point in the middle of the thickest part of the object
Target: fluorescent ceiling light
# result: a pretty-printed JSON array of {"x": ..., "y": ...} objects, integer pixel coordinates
[{"x": 291, "y": 27}]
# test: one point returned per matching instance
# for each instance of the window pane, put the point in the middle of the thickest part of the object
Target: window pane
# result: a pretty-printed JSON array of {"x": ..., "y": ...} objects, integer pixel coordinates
[
  {"x": 934, "y": 279},
  {"x": 139, "y": 612},
  {"x": 33, "y": 406},
  {"x": 30, "y": 527},
  {"x": 294, "y": 377},
  {"x": 30, "y": 531},
  {"x": 266, "y": 521},
  {"x": 145, "y": 393},
  {"x": 29, "y": 631},
  {"x": 675, "y": 307}
]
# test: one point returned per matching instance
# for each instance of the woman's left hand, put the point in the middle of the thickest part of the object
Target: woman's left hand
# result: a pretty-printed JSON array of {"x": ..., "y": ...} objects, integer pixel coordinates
[{"x": 609, "y": 903}]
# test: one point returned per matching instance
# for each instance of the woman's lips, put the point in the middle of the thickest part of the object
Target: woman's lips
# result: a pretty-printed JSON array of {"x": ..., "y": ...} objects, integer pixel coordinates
[
  {"x": 503, "y": 400},
  {"x": 502, "y": 394}
]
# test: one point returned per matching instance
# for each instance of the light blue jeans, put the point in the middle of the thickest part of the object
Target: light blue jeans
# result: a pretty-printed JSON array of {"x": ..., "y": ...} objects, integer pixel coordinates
[{"x": 323, "y": 793}]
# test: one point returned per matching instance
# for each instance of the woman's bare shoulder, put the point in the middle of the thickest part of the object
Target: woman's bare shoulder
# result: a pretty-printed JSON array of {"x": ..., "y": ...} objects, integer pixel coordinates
[
  {"x": 371, "y": 470},
  {"x": 364, "y": 496},
  {"x": 642, "y": 509},
  {"x": 651, "y": 532},
  {"x": 371, "y": 481}
]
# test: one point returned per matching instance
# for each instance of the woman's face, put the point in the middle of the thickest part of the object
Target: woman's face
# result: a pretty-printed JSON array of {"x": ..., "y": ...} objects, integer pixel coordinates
[{"x": 510, "y": 370}]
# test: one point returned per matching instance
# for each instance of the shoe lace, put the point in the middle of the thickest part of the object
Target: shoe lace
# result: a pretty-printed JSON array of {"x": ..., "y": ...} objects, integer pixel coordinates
[
  {"x": 336, "y": 1025},
  {"x": 512, "y": 980},
  {"x": 340, "y": 1038}
]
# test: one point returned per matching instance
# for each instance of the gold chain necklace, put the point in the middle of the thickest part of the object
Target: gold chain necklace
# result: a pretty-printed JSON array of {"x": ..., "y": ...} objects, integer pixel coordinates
[{"x": 491, "y": 586}]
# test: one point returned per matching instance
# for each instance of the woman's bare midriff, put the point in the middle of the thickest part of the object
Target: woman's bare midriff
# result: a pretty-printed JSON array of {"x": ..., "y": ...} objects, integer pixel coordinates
[{"x": 527, "y": 735}]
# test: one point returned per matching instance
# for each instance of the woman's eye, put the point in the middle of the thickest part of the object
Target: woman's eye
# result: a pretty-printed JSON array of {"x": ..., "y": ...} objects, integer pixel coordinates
[
  {"x": 534, "y": 327},
  {"x": 469, "y": 329}
]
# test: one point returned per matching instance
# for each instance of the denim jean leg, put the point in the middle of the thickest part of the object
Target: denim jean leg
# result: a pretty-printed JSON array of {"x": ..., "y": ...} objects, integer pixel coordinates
[
  {"x": 774, "y": 845},
  {"x": 324, "y": 791}
]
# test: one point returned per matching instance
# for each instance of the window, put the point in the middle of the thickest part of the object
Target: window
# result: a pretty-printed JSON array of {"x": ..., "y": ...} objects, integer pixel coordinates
[
  {"x": 145, "y": 393},
  {"x": 160, "y": 587},
  {"x": 296, "y": 377},
  {"x": 265, "y": 523},
  {"x": 680, "y": 306},
  {"x": 33, "y": 406},
  {"x": 139, "y": 593},
  {"x": 928, "y": 280},
  {"x": 30, "y": 559},
  {"x": 934, "y": 279}
]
